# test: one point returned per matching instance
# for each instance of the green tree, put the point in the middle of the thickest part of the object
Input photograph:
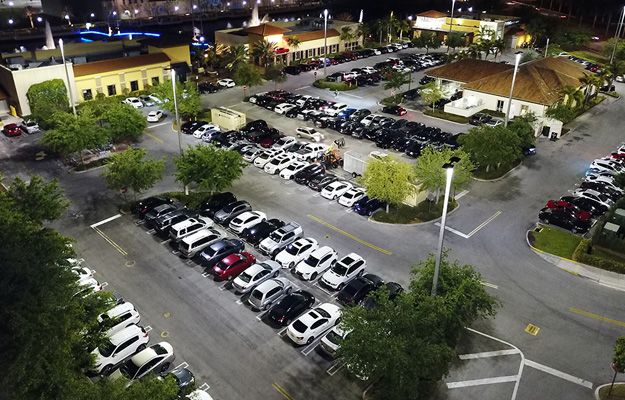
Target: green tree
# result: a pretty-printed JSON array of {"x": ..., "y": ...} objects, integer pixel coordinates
[
  {"x": 454, "y": 40},
  {"x": 402, "y": 26},
  {"x": 276, "y": 75},
  {"x": 247, "y": 76},
  {"x": 619, "y": 180},
  {"x": 431, "y": 93},
  {"x": 572, "y": 97},
  {"x": 388, "y": 179},
  {"x": 406, "y": 345},
  {"x": 427, "y": 41},
  {"x": 491, "y": 146},
  {"x": 46, "y": 99},
  {"x": 571, "y": 37},
  {"x": 293, "y": 41},
  {"x": 523, "y": 128},
  {"x": 561, "y": 113},
  {"x": 189, "y": 105},
  {"x": 396, "y": 80},
  {"x": 498, "y": 46},
  {"x": 212, "y": 169},
  {"x": 346, "y": 34},
  {"x": 132, "y": 170},
  {"x": 618, "y": 360},
  {"x": 608, "y": 49},
  {"x": 234, "y": 56},
  {"x": 37, "y": 200},
  {"x": 74, "y": 134},
  {"x": 123, "y": 122},
  {"x": 431, "y": 175},
  {"x": 264, "y": 51}
]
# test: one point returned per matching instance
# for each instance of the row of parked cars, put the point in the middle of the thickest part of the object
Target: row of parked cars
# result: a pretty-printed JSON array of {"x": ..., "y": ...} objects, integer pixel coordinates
[
  {"x": 594, "y": 196},
  {"x": 263, "y": 283},
  {"x": 14, "y": 129},
  {"x": 126, "y": 352}
]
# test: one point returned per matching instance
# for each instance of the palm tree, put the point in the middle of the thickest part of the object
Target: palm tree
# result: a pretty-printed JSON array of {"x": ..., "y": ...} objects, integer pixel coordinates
[
  {"x": 235, "y": 55},
  {"x": 571, "y": 96},
  {"x": 395, "y": 81},
  {"x": 402, "y": 26},
  {"x": 380, "y": 26},
  {"x": 346, "y": 34},
  {"x": 592, "y": 83},
  {"x": 498, "y": 46},
  {"x": 264, "y": 51},
  {"x": 362, "y": 31},
  {"x": 611, "y": 71},
  {"x": 293, "y": 41}
]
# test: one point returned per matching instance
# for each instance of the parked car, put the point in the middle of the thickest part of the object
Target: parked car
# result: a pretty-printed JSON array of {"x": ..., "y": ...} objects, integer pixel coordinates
[
  {"x": 255, "y": 275},
  {"x": 313, "y": 324},
  {"x": 268, "y": 292},
  {"x": 296, "y": 252},
  {"x": 215, "y": 203},
  {"x": 292, "y": 70},
  {"x": 265, "y": 156},
  {"x": 117, "y": 347},
  {"x": 292, "y": 169},
  {"x": 280, "y": 238},
  {"x": 316, "y": 263},
  {"x": 192, "y": 244},
  {"x": 229, "y": 212},
  {"x": 284, "y": 143},
  {"x": 232, "y": 265},
  {"x": 346, "y": 269},
  {"x": 255, "y": 234},
  {"x": 117, "y": 318},
  {"x": 278, "y": 163},
  {"x": 290, "y": 307},
  {"x": 12, "y": 130},
  {"x": 215, "y": 252},
  {"x": 191, "y": 126},
  {"x": 393, "y": 289},
  {"x": 203, "y": 129},
  {"x": 565, "y": 219},
  {"x": 593, "y": 207},
  {"x": 310, "y": 134},
  {"x": 187, "y": 227},
  {"x": 133, "y": 101},
  {"x": 29, "y": 126},
  {"x": 155, "y": 115},
  {"x": 183, "y": 377},
  {"x": 335, "y": 190},
  {"x": 331, "y": 341},
  {"x": 307, "y": 173},
  {"x": 358, "y": 289},
  {"x": 310, "y": 152},
  {"x": 319, "y": 181},
  {"x": 156, "y": 358},
  {"x": 351, "y": 196},
  {"x": 157, "y": 212},
  {"x": 595, "y": 196},
  {"x": 394, "y": 110},
  {"x": 367, "y": 206},
  {"x": 227, "y": 83},
  {"x": 479, "y": 119},
  {"x": 142, "y": 207}
]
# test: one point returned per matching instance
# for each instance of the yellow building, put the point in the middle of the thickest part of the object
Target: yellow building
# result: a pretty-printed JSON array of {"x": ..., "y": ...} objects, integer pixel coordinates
[{"x": 114, "y": 77}]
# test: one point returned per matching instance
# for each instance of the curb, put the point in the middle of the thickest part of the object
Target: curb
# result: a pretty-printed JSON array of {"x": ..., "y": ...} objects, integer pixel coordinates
[
  {"x": 443, "y": 119},
  {"x": 602, "y": 386},
  {"x": 88, "y": 170},
  {"x": 583, "y": 270},
  {"x": 504, "y": 176},
  {"x": 414, "y": 223}
]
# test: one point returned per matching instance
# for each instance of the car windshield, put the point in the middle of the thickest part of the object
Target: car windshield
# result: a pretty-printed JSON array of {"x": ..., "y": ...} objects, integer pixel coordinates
[
  {"x": 350, "y": 290},
  {"x": 292, "y": 250},
  {"x": 245, "y": 277},
  {"x": 312, "y": 261},
  {"x": 340, "y": 269},
  {"x": 299, "y": 326},
  {"x": 334, "y": 337},
  {"x": 322, "y": 312},
  {"x": 275, "y": 237},
  {"x": 257, "y": 294},
  {"x": 107, "y": 348},
  {"x": 603, "y": 197},
  {"x": 160, "y": 350},
  {"x": 210, "y": 252},
  {"x": 129, "y": 369}
]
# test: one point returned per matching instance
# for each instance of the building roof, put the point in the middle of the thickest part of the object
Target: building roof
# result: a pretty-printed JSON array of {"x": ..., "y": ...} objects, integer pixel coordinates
[
  {"x": 468, "y": 70},
  {"x": 313, "y": 35},
  {"x": 432, "y": 14},
  {"x": 165, "y": 41},
  {"x": 540, "y": 81},
  {"x": 116, "y": 64},
  {"x": 265, "y": 30}
]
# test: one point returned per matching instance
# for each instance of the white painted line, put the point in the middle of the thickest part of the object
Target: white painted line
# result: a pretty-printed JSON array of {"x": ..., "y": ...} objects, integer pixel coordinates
[
  {"x": 335, "y": 367},
  {"x": 182, "y": 365},
  {"x": 151, "y": 232},
  {"x": 488, "y": 354},
  {"x": 559, "y": 374},
  {"x": 205, "y": 274},
  {"x": 261, "y": 315},
  {"x": 490, "y": 285},
  {"x": 485, "y": 381},
  {"x": 454, "y": 231},
  {"x": 104, "y": 221},
  {"x": 483, "y": 224},
  {"x": 461, "y": 194},
  {"x": 147, "y": 328},
  {"x": 351, "y": 95},
  {"x": 157, "y": 125},
  {"x": 175, "y": 252},
  {"x": 103, "y": 285},
  {"x": 204, "y": 386},
  {"x": 239, "y": 302},
  {"x": 303, "y": 87},
  {"x": 308, "y": 349},
  {"x": 140, "y": 222},
  {"x": 282, "y": 332}
]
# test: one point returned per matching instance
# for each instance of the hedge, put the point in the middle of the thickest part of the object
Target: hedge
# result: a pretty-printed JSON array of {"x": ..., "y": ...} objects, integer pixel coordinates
[
  {"x": 581, "y": 254},
  {"x": 339, "y": 86}
]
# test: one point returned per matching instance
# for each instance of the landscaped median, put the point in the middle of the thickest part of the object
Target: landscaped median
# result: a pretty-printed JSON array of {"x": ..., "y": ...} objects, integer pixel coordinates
[
  {"x": 459, "y": 119},
  {"x": 618, "y": 392},
  {"x": 338, "y": 86},
  {"x": 425, "y": 211}
]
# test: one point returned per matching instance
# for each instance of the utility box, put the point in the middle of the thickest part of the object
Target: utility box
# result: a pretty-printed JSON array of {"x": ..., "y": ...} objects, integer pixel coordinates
[{"x": 227, "y": 119}]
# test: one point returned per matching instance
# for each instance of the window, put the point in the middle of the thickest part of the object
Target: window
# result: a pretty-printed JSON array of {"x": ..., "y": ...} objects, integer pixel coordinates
[
  {"x": 87, "y": 94},
  {"x": 524, "y": 109},
  {"x": 134, "y": 86},
  {"x": 155, "y": 81},
  {"x": 500, "y": 105},
  {"x": 273, "y": 292},
  {"x": 112, "y": 90},
  {"x": 123, "y": 346}
]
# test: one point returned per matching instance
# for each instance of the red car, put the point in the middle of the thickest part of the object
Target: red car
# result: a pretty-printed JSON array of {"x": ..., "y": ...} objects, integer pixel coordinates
[
  {"x": 395, "y": 110},
  {"x": 618, "y": 156},
  {"x": 12, "y": 130},
  {"x": 233, "y": 265},
  {"x": 576, "y": 211}
]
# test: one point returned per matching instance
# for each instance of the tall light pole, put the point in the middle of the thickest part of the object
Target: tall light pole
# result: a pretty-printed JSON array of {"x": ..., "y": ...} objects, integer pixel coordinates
[
  {"x": 547, "y": 48},
  {"x": 449, "y": 169},
  {"x": 325, "y": 40},
  {"x": 451, "y": 22},
  {"x": 173, "y": 85},
  {"x": 517, "y": 60},
  {"x": 69, "y": 87},
  {"x": 617, "y": 34}
]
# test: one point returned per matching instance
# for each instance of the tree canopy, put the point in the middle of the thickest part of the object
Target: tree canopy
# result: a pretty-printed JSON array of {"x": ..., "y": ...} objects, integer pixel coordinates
[
  {"x": 71, "y": 134},
  {"x": 431, "y": 93},
  {"x": 275, "y": 74},
  {"x": 431, "y": 175},
  {"x": 427, "y": 41},
  {"x": 46, "y": 99},
  {"x": 37, "y": 200},
  {"x": 396, "y": 80},
  {"x": 131, "y": 170},
  {"x": 388, "y": 179},
  {"x": 123, "y": 121},
  {"x": 189, "y": 105},
  {"x": 491, "y": 146},
  {"x": 247, "y": 75}
]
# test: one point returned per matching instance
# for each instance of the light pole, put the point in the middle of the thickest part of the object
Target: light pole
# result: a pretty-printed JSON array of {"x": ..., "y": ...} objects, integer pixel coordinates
[
  {"x": 547, "y": 47},
  {"x": 173, "y": 86},
  {"x": 617, "y": 34},
  {"x": 325, "y": 41},
  {"x": 517, "y": 59},
  {"x": 69, "y": 87},
  {"x": 449, "y": 169},
  {"x": 451, "y": 22}
]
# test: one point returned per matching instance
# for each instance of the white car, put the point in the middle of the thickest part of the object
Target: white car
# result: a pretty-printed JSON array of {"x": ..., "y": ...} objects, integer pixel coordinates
[
  {"x": 293, "y": 168},
  {"x": 255, "y": 275},
  {"x": 254, "y": 98},
  {"x": 296, "y": 252},
  {"x": 155, "y": 116},
  {"x": 119, "y": 317},
  {"x": 156, "y": 358},
  {"x": 263, "y": 158},
  {"x": 346, "y": 269},
  {"x": 155, "y": 99},
  {"x": 198, "y": 394},
  {"x": 284, "y": 142},
  {"x": 621, "y": 149},
  {"x": 282, "y": 108},
  {"x": 369, "y": 70},
  {"x": 228, "y": 83},
  {"x": 493, "y": 122},
  {"x": 594, "y": 195},
  {"x": 251, "y": 153},
  {"x": 606, "y": 180},
  {"x": 366, "y": 121},
  {"x": 278, "y": 163},
  {"x": 310, "y": 134},
  {"x": 118, "y": 347},
  {"x": 311, "y": 151},
  {"x": 335, "y": 189},
  {"x": 302, "y": 100},
  {"x": 199, "y": 132},
  {"x": 318, "y": 262},
  {"x": 246, "y": 220},
  {"x": 30, "y": 126},
  {"x": 268, "y": 292},
  {"x": 82, "y": 272},
  {"x": 133, "y": 101},
  {"x": 314, "y": 323},
  {"x": 350, "y": 197},
  {"x": 331, "y": 341},
  {"x": 335, "y": 108},
  {"x": 87, "y": 285}
]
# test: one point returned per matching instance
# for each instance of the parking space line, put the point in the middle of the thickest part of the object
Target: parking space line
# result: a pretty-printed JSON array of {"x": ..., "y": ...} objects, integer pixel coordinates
[
  {"x": 261, "y": 315},
  {"x": 151, "y": 232},
  {"x": 156, "y": 138},
  {"x": 454, "y": 231},
  {"x": 282, "y": 391},
  {"x": 103, "y": 285},
  {"x": 461, "y": 194},
  {"x": 104, "y": 221},
  {"x": 111, "y": 242},
  {"x": 474, "y": 231},
  {"x": 597, "y": 317},
  {"x": 183, "y": 364},
  {"x": 308, "y": 349},
  {"x": 282, "y": 332},
  {"x": 559, "y": 374},
  {"x": 335, "y": 367},
  {"x": 239, "y": 302},
  {"x": 303, "y": 87},
  {"x": 490, "y": 285},
  {"x": 157, "y": 125},
  {"x": 487, "y": 354},
  {"x": 204, "y": 386},
  {"x": 480, "y": 382},
  {"x": 147, "y": 328},
  {"x": 205, "y": 274},
  {"x": 351, "y": 95},
  {"x": 349, "y": 235}
]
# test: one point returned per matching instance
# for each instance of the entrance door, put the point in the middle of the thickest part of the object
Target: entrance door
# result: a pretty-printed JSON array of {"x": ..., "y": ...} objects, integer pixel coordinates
[{"x": 545, "y": 131}]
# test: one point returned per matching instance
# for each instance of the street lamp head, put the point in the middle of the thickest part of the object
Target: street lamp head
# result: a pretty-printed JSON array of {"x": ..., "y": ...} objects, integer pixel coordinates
[
  {"x": 517, "y": 57},
  {"x": 39, "y": 19},
  {"x": 92, "y": 15},
  {"x": 61, "y": 43},
  {"x": 325, "y": 13}
]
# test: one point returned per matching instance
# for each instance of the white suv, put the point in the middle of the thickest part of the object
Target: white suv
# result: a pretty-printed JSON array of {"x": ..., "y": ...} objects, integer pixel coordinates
[
  {"x": 296, "y": 252},
  {"x": 119, "y": 317},
  {"x": 316, "y": 264},
  {"x": 346, "y": 269},
  {"x": 118, "y": 347}
]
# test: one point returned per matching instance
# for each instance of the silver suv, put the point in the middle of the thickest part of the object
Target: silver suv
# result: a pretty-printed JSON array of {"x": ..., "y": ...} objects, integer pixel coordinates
[{"x": 280, "y": 238}]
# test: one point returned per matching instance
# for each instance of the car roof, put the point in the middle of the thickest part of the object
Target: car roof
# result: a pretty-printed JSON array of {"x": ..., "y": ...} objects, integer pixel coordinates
[
  {"x": 322, "y": 251},
  {"x": 127, "y": 332},
  {"x": 199, "y": 235},
  {"x": 119, "y": 309}
]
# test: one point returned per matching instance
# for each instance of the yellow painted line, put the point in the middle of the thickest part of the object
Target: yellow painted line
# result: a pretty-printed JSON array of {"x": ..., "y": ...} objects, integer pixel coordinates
[
  {"x": 111, "y": 242},
  {"x": 158, "y": 139},
  {"x": 282, "y": 391},
  {"x": 349, "y": 235},
  {"x": 532, "y": 329},
  {"x": 597, "y": 317}
]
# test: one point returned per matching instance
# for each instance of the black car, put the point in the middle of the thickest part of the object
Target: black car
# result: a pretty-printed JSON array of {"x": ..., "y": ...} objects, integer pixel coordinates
[
  {"x": 479, "y": 119},
  {"x": 601, "y": 187},
  {"x": 586, "y": 204},
  {"x": 163, "y": 223},
  {"x": 414, "y": 149},
  {"x": 394, "y": 110},
  {"x": 206, "y": 87},
  {"x": 291, "y": 306},
  {"x": 425, "y": 80},
  {"x": 564, "y": 218},
  {"x": 184, "y": 379},
  {"x": 392, "y": 288},
  {"x": 292, "y": 113},
  {"x": 229, "y": 212},
  {"x": 156, "y": 212},
  {"x": 258, "y": 232},
  {"x": 216, "y": 202},
  {"x": 257, "y": 125},
  {"x": 358, "y": 289},
  {"x": 144, "y": 206},
  {"x": 292, "y": 70},
  {"x": 191, "y": 126},
  {"x": 305, "y": 175},
  {"x": 318, "y": 182},
  {"x": 367, "y": 206},
  {"x": 411, "y": 94},
  {"x": 359, "y": 115},
  {"x": 219, "y": 250}
]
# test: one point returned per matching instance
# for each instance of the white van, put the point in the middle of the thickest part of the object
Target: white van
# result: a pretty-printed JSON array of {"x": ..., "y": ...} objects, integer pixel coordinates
[
  {"x": 187, "y": 227},
  {"x": 190, "y": 245}
]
